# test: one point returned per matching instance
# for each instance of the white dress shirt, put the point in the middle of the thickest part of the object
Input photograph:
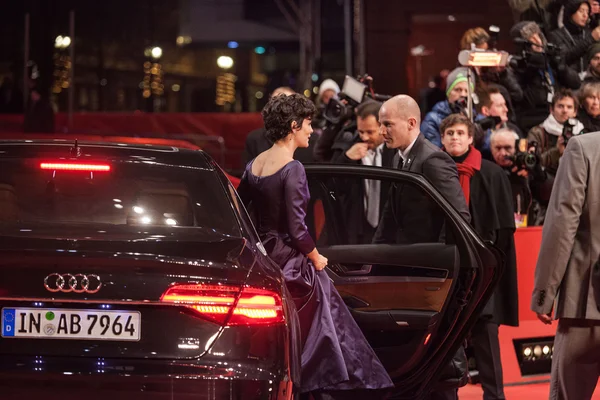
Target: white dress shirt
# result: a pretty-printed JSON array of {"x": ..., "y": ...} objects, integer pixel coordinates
[
  {"x": 404, "y": 154},
  {"x": 372, "y": 187}
]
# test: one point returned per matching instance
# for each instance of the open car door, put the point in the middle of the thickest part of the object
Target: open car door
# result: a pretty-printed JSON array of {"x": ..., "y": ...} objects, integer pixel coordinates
[{"x": 415, "y": 299}]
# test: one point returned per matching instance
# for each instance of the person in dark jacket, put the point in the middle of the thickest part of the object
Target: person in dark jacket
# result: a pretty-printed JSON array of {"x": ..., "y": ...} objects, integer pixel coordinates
[
  {"x": 593, "y": 62},
  {"x": 589, "y": 112},
  {"x": 540, "y": 75},
  {"x": 487, "y": 191},
  {"x": 456, "y": 91},
  {"x": 492, "y": 104},
  {"x": 574, "y": 37},
  {"x": 363, "y": 200}
]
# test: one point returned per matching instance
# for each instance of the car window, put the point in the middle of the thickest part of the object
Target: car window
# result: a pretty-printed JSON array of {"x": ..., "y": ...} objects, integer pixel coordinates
[
  {"x": 340, "y": 212},
  {"x": 130, "y": 194}
]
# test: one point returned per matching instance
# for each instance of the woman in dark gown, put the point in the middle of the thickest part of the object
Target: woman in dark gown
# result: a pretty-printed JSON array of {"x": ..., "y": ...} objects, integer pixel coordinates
[
  {"x": 488, "y": 193},
  {"x": 336, "y": 357}
]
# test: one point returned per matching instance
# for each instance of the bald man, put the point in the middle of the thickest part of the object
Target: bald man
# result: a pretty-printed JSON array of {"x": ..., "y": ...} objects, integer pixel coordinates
[{"x": 409, "y": 216}]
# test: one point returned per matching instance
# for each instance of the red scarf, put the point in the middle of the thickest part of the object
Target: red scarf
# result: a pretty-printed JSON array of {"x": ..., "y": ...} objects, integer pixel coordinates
[{"x": 466, "y": 170}]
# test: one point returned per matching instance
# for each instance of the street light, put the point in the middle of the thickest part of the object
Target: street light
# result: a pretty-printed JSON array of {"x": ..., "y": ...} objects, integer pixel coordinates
[
  {"x": 156, "y": 52},
  {"x": 62, "y": 42},
  {"x": 225, "y": 62}
]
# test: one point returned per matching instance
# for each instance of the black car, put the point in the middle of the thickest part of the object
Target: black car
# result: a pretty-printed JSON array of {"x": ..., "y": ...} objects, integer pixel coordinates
[{"x": 134, "y": 272}]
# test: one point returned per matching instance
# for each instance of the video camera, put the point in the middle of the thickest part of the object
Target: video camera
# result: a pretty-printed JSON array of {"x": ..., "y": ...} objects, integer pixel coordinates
[
  {"x": 529, "y": 58},
  {"x": 354, "y": 92}
]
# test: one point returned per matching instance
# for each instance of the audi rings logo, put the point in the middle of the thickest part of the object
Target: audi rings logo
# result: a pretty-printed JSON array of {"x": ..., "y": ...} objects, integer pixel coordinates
[{"x": 78, "y": 283}]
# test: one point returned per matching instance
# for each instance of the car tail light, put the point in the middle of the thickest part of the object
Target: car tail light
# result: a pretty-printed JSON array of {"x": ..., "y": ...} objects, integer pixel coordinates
[
  {"x": 254, "y": 306},
  {"x": 86, "y": 167}
]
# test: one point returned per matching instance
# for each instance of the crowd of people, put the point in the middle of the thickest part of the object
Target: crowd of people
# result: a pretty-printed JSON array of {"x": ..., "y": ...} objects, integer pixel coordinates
[{"x": 496, "y": 163}]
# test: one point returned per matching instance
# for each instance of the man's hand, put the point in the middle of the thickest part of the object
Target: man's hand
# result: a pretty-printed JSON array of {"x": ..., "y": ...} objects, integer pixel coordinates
[
  {"x": 357, "y": 151},
  {"x": 545, "y": 318},
  {"x": 524, "y": 173}
]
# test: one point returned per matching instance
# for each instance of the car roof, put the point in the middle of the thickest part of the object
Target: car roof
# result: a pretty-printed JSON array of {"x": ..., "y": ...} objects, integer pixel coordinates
[{"x": 26, "y": 148}]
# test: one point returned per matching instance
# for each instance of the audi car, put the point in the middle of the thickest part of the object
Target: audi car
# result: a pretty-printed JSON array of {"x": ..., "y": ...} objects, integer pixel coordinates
[{"x": 135, "y": 272}]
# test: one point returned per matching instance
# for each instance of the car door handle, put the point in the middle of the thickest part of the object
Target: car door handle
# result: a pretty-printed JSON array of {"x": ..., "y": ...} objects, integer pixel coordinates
[{"x": 364, "y": 270}]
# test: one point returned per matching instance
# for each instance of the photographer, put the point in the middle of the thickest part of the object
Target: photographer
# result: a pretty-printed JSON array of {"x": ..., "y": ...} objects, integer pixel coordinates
[
  {"x": 575, "y": 37},
  {"x": 339, "y": 132},
  {"x": 493, "y": 104},
  {"x": 501, "y": 78},
  {"x": 524, "y": 172},
  {"x": 554, "y": 133},
  {"x": 363, "y": 201},
  {"x": 540, "y": 72},
  {"x": 456, "y": 93}
]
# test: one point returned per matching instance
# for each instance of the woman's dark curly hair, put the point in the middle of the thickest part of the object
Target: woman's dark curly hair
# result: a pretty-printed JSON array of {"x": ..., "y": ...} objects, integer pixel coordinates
[{"x": 282, "y": 110}]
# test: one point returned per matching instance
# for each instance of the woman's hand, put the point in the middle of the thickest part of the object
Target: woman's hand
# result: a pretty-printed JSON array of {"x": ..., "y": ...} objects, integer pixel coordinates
[
  {"x": 320, "y": 262},
  {"x": 317, "y": 259}
]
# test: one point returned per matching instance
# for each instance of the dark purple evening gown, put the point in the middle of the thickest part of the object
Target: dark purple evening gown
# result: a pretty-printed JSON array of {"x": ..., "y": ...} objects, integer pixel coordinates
[{"x": 335, "y": 356}]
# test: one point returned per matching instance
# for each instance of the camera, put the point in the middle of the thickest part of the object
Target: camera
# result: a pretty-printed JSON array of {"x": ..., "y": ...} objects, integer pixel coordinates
[
  {"x": 567, "y": 132},
  {"x": 354, "y": 92},
  {"x": 529, "y": 58},
  {"x": 460, "y": 107},
  {"x": 523, "y": 159}
]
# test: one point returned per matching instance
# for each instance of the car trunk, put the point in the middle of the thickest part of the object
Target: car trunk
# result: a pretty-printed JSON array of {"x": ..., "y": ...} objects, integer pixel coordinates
[{"x": 100, "y": 295}]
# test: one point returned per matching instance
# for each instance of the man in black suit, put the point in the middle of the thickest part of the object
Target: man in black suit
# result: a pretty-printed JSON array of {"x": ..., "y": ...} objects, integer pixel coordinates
[
  {"x": 363, "y": 201},
  {"x": 257, "y": 142},
  {"x": 409, "y": 216}
]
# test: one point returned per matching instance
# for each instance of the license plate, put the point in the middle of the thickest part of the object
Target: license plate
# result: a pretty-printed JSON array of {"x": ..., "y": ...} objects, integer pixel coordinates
[{"x": 58, "y": 323}]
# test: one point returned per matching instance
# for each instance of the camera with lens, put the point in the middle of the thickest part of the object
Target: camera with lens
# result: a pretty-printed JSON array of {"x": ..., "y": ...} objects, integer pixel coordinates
[
  {"x": 567, "y": 132},
  {"x": 354, "y": 92},
  {"x": 524, "y": 159}
]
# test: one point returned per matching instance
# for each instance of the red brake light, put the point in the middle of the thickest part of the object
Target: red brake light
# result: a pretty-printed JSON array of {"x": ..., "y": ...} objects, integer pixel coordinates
[
  {"x": 75, "y": 167},
  {"x": 254, "y": 307}
]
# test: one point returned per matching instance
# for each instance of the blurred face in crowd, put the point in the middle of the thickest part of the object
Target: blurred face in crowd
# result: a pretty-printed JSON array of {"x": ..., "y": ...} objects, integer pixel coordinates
[
  {"x": 498, "y": 107},
  {"x": 592, "y": 104},
  {"x": 460, "y": 90},
  {"x": 581, "y": 16},
  {"x": 595, "y": 63},
  {"x": 456, "y": 140},
  {"x": 564, "y": 109},
  {"x": 369, "y": 131},
  {"x": 595, "y": 7},
  {"x": 539, "y": 44},
  {"x": 503, "y": 145},
  {"x": 327, "y": 95},
  {"x": 396, "y": 128}
]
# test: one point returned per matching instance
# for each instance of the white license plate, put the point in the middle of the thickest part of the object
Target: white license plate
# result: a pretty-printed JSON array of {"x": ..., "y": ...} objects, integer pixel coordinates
[{"x": 58, "y": 323}]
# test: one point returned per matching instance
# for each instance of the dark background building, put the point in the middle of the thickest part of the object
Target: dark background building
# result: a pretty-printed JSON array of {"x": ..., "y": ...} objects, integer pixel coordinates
[{"x": 271, "y": 43}]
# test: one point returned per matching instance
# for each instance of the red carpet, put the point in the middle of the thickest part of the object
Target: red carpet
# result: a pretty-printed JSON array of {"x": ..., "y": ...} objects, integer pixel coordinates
[{"x": 537, "y": 391}]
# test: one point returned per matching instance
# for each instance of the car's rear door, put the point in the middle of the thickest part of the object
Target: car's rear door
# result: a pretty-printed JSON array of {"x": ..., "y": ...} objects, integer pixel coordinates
[{"x": 416, "y": 298}]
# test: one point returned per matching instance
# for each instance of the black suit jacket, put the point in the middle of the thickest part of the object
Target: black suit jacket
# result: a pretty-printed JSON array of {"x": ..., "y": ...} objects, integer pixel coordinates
[
  {"x": 352, "y": 192},
  {"x": 409, "y": 216}
]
